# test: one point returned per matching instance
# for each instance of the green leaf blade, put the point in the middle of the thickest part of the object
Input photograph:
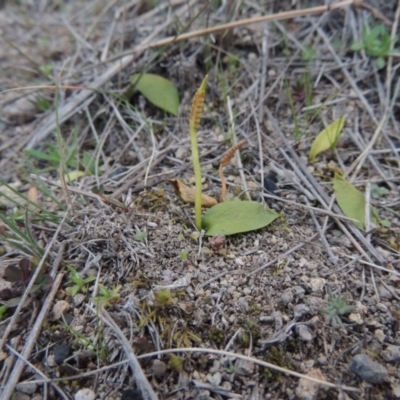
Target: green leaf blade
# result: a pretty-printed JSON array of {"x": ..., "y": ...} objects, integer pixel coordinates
[
  {"x": 157, "y": 90},
  {"x": 327, "y": 138},
  {"x": 352, "y": 202},
  {"x": 232, "y": 217}
]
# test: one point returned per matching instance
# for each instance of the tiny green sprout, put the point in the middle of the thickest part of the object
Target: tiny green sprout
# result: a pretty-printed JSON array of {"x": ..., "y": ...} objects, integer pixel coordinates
[
  {"x": 231, "y": 368},
  {"x": 336, "y": 307},
  {"x": 80, "y": 283},
  {"x": 308, "y": 53},
  {"x": 183, "y": 255},
  {"x": 377, "y": 43},
  {"x": 3, "y": 310},
  {"x": 107, "y": 297},
  {"x": 164, "y": 298},
  {"x": 176, "y": 362},
  {"x": 140, "y": 236}
]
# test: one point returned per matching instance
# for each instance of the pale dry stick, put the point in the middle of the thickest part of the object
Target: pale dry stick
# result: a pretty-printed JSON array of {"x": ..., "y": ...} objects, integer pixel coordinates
[
  {"x": 263, "y": 72},
  {"x": 375, "y": 12},
  {"x": 251, "y": 360},
  {"x": 367, "y": 221},
  {"x": 8, "y": 363},
  {"x": 38, "y": 372},
  {"x": 235, "y": 141},
  {"x": 359, "y": 162},
  {"x": 378, "y": 267},
  {"x": 204, "y": 350},
  {"x": 362, "y": 295},
  {"x": 69, "y": 108},
  {"x": 265, "y": 18},
  {"x": 31, "y": 283},
  {"x": 34, "y": 333},
  {"x": 334, "y": 259},
  {"x": 153, "y": 153},
  {"x": 58, "y": 259},
  {"x": 378, "y": 298},
  {"x": 107, "y": 44},
  {"x": 260, "y": 146},
  {"x": 232, "y": 339},
  {"x": 138, "y": 374}
]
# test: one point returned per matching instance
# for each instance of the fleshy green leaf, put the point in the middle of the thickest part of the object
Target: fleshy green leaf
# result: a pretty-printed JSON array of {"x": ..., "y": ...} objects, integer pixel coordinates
[
  {"x": 159, "y": 91},
  {"x": 327, "y": 138},
  {"x": 233, "y": 217},
  {"x": 352, "y": 202}
]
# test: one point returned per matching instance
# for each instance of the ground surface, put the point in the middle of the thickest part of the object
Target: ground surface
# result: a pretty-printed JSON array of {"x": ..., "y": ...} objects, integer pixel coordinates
[{"x": 311, "y": 293}]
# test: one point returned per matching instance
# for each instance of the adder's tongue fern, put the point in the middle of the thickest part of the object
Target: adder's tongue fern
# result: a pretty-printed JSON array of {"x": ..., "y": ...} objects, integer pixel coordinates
[{"x": 194, "y": 122}]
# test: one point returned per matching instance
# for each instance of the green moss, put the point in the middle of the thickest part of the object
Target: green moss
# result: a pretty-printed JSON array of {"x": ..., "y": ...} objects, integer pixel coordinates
[{"x": 216, "y": 335}]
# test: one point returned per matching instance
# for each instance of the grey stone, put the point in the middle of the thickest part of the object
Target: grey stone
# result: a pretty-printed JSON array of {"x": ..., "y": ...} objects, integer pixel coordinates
[
  {"x": 391, "y": 353},
  {"x": 27, "y": 387},
  {"x": 304, "y": 333},
  {"x": 85, "y": 394},
  {"x": 287, "y": 297},
  {"x": 300, "y": 310},
  {"x": 368, "y": 369}
]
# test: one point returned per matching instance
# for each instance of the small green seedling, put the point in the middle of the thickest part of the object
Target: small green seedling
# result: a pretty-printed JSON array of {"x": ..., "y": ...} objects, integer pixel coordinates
[
  {"x": 176, "y": 362},
  {"x": 107, "y": 297},
  {"x": 183, "y": 255},
  {"x": 227, "y": 217},
  {"x": 377, "y": 42},
  {"x": 164, "y": 298},
  {"x": 3, "y": 310},
  {"x": 140, "y": 236},
  {"x": 336, "y": 307},
  {"x": 80, "y": 283}
]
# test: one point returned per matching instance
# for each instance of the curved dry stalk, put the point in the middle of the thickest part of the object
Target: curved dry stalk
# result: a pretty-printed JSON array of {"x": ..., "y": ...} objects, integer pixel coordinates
[{"x": 224, "y": 162}]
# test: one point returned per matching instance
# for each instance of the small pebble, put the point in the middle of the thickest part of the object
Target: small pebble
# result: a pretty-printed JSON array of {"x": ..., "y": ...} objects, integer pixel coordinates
[
  {"x": 304, "y": 333},
  {"x": 270, "y": 183},
  {"x": 59, "y": 309},
  {"x": 391, "y": 354},
  {"x": 300, "y": 310},
  {"x": 356, "y": 318},
  {"x": 287, "y": 297},
  {"x": 380, "y": 335},
  {"x": 61, "y": 352},
  {"x": 85, "y": 394},
  {"x": 215, "y": 379},
  {"x": 21, "y": 396},
  {"x": 130, "y": 394},
  {"x": 308, "y": 390},
  {"x": 317, "y": 284},
  {"x": 159, "y": 368},
  {"x": 367, "y": 369},
  {"x": 27, "y": 387}
]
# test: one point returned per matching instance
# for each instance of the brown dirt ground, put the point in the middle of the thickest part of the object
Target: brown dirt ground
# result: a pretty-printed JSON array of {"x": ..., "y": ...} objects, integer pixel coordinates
[{"x": 266, "y": 294}]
